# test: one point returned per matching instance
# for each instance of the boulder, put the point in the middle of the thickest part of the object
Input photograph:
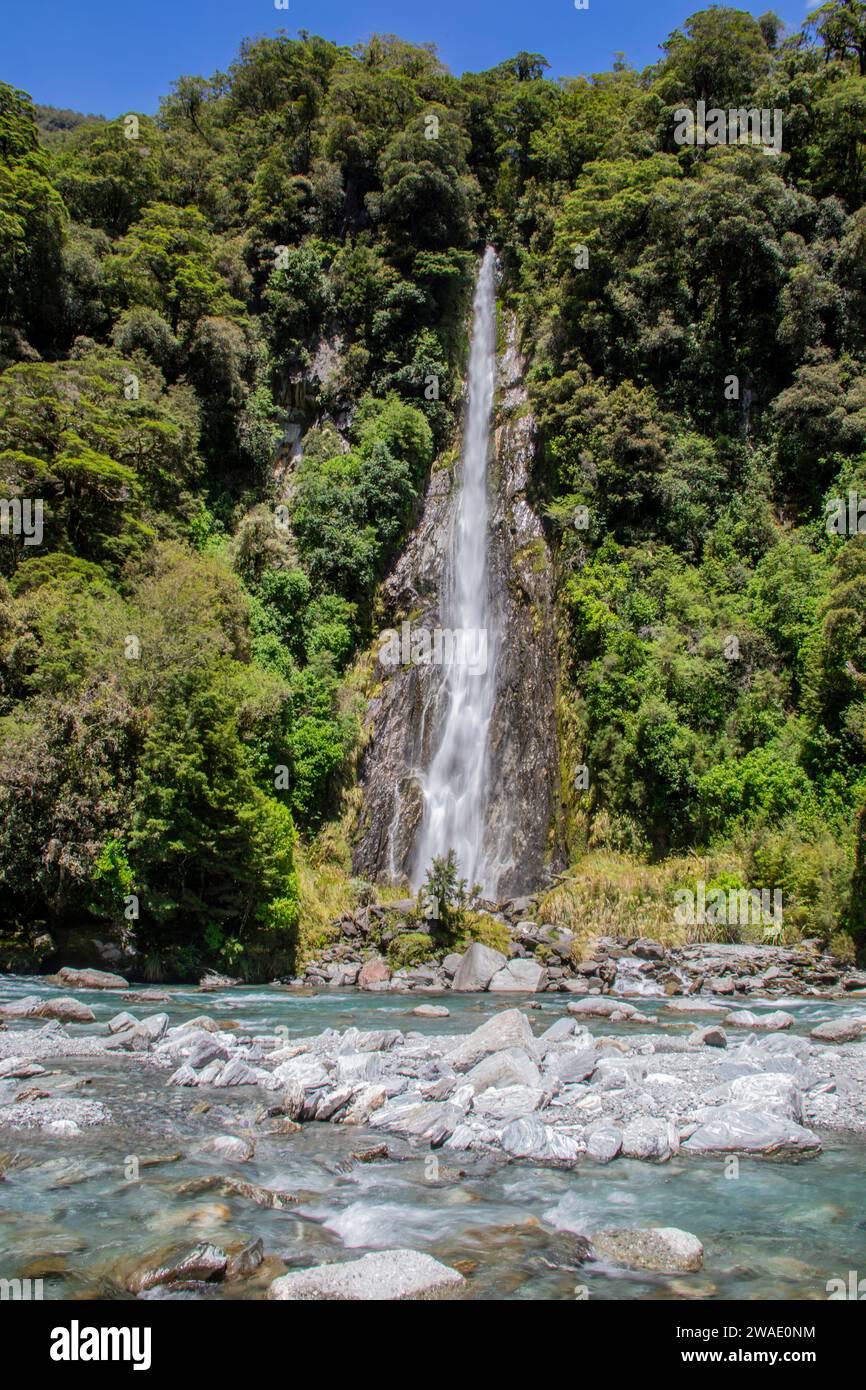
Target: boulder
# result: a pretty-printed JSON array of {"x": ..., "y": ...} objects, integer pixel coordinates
[
  {"x": 616, "y": 1010},
  {"x": 427, "y": 1120},
  {"x": 562, "y": 1028},
  {"x": 709, "y": 1037},
  {"x": 203, "y": 1263},
  {"x": 358, "y": 1066},
  {"x": 306, "y": 1071},
  {"x": 121, "y": 1022},
  {"x": 65, "y": 1010},
  {"x": 201, "y": 1023},
  {"x": 431, "y": 1011},
  {"x": 231, "y": 1147},
  {"x": 244, "y": 1261},
  {"x": 20, "y": 1008},
  {"x": 663, "y": 1248},
  {"x": 374, "y": 973},
  {"x": 90, "y": 979},
  {"x": 613, "y": 1071},
  {"x": 510, "y": 1067},
  {"x": 477, "y": 968},
  {"x": 529, "y": 1138},
  {"x": 693, "y": 1006},
  {"x": 508, "y": 1102},
  {"x": 344, "y": 976},
  {"x": 738, "y": 1129},
  {"x": 364, "y": 1104},
  {"x": 648, "y": 949},
  {"x": 840, "y": 1030},
  {"x": 603, "y": 1143},
  {"x": 572, "y": 1067},
  {"x": 385, "y": 1275},
  {"x": 518, "y": 907},
  {"x": 775, "y": 1092},
  {"x": 237, "y": 1073},
  {"x": 519, "y": 976},
  {"x": 269, "y": 1198},
  {"x": 18, "y": 1068},
  {"x": 381, "y": 1040},
  {"x": 206, "y": 1049},
  {"x": 505, "y": 1030},
  {"x": 185, "y": 1076},
  {"x": 649, "y": 1138},
  {"x": 212, "y": 980},
  {"x": 331, "y": 1103},
  {"x": 774, "y": 1022},
  {"x": 149, "y": 1030}
]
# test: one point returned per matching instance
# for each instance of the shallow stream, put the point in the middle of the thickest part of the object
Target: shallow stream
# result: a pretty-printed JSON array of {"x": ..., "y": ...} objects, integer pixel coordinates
[{"x": 71, "y": 1214}]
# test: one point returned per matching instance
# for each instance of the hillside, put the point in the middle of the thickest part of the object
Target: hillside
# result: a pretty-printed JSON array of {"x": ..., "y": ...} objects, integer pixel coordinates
[{"x": 232, "y": 341}]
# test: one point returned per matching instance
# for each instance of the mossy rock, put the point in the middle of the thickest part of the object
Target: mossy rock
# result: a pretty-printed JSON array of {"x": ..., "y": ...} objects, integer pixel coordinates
[
  {"x": 410, "y": 948},
  {"x": 477, "y": 926}
]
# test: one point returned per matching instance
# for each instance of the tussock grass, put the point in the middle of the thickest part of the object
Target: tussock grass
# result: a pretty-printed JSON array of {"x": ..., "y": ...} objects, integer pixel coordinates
[
  {"x": 608, "y": 894},
  {"x": 326, "y": 886}
]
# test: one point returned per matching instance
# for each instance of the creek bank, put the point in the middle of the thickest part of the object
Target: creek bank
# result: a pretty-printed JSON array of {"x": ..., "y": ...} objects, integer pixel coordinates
[
  {"x": 544, "y": 957},
  {"x": 560, "y": 1095}
]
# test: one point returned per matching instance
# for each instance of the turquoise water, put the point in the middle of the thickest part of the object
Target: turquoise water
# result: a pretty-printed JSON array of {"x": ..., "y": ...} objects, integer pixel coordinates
[{"x": 71, "y": 1213}]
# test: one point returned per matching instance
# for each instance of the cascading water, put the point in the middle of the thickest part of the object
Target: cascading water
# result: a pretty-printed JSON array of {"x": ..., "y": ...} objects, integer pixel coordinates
[
  {"x": 465, "y": 757},
  {"x": 456, "y": 784}
]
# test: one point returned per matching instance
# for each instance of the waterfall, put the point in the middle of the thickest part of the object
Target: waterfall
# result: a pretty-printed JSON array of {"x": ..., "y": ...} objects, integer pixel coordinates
[
  {"x": 466, "y": 757},
  {"x": 455, "y": 785}
]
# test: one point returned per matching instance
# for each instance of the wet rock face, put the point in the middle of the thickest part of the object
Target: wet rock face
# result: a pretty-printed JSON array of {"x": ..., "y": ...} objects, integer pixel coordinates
[
  {"x": 403, "y": 717},
  {"x": 524, "y": 756},
  {"x": 398, "y": 723}
]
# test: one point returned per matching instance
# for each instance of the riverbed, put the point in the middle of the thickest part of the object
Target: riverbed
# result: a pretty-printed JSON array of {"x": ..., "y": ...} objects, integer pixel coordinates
[{"x": 80, "y": 1211}]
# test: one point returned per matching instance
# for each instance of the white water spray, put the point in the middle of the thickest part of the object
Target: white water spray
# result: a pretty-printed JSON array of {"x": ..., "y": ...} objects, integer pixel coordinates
[{"x": 455, "y": 786}]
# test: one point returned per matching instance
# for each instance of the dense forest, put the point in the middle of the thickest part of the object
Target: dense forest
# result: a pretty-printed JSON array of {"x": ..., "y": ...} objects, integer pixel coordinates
[{"x": 231, "y": 343}]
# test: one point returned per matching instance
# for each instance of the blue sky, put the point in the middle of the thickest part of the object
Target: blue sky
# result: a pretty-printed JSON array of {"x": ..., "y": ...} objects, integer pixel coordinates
[{"x": 113, "y": 56}]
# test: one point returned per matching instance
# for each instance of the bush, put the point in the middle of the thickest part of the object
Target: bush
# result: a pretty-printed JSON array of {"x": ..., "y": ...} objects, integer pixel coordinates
[{"x": 410, "y": 948}]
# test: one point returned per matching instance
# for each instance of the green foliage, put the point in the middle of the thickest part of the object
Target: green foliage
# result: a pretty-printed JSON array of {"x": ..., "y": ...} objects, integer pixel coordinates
[
  {"x": 32, "y": 221},
  {"x": 112, "y": 879},
  {"x": 351, "y": 510},
  {"x": 445, "y": 898},
  {"x": 478, "y": 926},
  {"x": 410, "y": 948},
  {"x": 167, "y": 262},
  {"x": 103, "y": 464},
  {"x": 282, "y": 256}
]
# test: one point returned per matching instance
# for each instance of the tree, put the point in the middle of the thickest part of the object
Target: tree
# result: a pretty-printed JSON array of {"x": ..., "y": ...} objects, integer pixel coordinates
[
  {"x": 33, "y": 220},
  {"x": 167, "y": 261},
  {"x": 841, "y": 27},
  {"x": 719, "y": 57}
]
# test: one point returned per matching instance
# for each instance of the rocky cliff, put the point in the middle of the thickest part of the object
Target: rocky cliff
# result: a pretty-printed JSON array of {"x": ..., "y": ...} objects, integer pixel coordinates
[{"x": 402, "y": 716}]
